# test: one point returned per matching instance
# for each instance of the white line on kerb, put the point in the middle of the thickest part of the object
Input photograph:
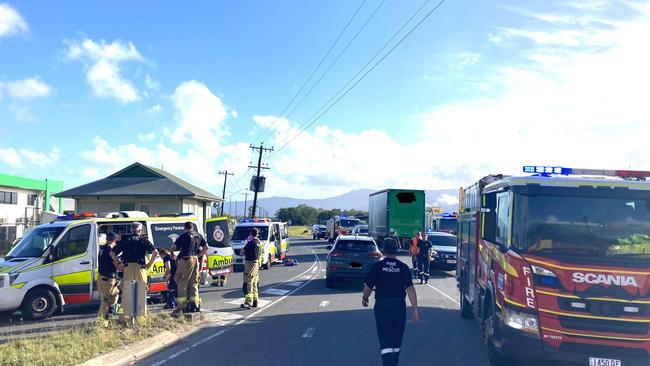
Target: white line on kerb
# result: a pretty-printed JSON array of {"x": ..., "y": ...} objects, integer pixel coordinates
[
  {"x": 445, "y": 295},
  {"x": 323, "y": 304},
  {"x": 222, "y": 331},
  {"x": 309, "y": 332}
]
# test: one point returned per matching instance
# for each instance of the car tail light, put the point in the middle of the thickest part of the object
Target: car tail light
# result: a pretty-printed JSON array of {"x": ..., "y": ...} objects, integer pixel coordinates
[
  {"x": 336, "y": 254},
  {"x": 375, "y": 255}
]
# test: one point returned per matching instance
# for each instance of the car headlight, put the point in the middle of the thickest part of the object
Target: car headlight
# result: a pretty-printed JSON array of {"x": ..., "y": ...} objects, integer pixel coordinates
[
  {"x": 545, "y": 277},
  {"x": 542, "y": 271},
  {"x": 521, "y": 321}
]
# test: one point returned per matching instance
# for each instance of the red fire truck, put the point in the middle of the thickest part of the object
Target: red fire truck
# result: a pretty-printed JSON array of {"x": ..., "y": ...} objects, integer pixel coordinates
[{"x": 556, "y": 265}]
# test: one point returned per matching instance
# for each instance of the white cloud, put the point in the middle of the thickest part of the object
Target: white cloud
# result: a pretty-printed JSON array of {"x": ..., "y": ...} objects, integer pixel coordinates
[
  {"x": 155, "y": 109},
  {"x": 199, "y": 117},
  {"x": 10, "y": 157},
  {"x": 41, "y": 159},
  {"x": 150, "y": 83},
  {"x": 446, "y": 200},
  {"x": 26, "y": 89},
  {"x": 11, "y": 22},
  {"x": 103, "y": 63},
  {"x": 463, "y": 60}
]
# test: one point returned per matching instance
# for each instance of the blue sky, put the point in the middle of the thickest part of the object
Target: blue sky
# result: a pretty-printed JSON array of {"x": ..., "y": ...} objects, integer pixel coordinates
[{"x": 480, "y": 87}]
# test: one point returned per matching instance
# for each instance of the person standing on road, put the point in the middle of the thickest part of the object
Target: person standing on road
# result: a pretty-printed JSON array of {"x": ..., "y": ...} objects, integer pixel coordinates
[
  {"x": 170, "y": 275},
  {"x": 191, "y": 245},
  {"x": 107, "y": 284},
  {"x": 424, "y": 257},
  {"x": 413, "y": 252},
  {"x": 252, "y": 253},
  {"x": 391, "y": 280},
  {"x": 132, "y": 251}
]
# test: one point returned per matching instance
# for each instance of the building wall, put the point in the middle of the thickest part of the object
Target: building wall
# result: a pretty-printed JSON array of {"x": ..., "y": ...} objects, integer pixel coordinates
[
  {"x": 15, "y": 218},
  {"x": 154, "y": 206},
  {"x": 201, "y": 209}
]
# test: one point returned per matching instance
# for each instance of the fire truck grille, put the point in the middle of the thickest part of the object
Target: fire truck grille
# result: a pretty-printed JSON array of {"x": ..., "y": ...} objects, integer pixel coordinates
[
  {"x": 600, "y": 325},
  {"x": 609, "y": 351}
]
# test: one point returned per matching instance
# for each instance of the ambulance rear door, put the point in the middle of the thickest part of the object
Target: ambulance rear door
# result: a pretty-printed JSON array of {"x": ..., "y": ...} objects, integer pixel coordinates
[{"x": 220, "y": 252}]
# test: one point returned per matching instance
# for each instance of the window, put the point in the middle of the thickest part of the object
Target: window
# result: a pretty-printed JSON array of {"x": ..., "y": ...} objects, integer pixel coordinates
[
  {"x": 8, "y": 198},
  {"x": 127, "y": 206},
  {"x": 74, "y": 242},
  {"x": 31, "y": 199},
  {"x": 503, "y": 218},
  {"x": 144, "y": 208}
]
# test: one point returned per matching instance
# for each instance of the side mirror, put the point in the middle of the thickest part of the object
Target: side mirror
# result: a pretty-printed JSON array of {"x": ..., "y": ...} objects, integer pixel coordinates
[{"x": 329, "y": 247}]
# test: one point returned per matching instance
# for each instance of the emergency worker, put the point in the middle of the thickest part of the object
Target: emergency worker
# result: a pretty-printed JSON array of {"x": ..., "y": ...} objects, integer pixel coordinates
[
  {"x": 252, "y": 258},
  {"x": 190, "y": 245},
  {"x": 413, "y": 252},
  {"x": 107, "y": 281},
  {"x": 130, "y": 255},
  {"x": 425, "y": 251},
  {"x": 391, "y": 280}
]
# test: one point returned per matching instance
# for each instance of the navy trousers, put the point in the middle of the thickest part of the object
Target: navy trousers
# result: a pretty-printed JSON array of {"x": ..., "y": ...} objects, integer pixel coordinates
[{"x": 390, "y": 316}]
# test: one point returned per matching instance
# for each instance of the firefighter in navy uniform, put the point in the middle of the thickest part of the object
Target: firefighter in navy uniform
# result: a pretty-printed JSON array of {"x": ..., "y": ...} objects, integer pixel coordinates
[
  {"x": 391, "y": 280},
  {"x": 190, "y": 246},
  {"x": 107, "y": 280}
]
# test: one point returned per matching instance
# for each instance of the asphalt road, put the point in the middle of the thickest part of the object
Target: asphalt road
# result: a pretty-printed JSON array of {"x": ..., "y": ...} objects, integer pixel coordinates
[{"x": 305, "y": 323}]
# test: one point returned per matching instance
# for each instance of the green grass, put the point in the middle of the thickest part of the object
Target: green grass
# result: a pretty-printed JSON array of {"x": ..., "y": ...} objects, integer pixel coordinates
[
  {"x": 80, "y": 344},
  {"x": 304, "y": 231}
]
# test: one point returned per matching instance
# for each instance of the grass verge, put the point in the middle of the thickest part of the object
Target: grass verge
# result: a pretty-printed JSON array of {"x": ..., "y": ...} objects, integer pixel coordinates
[
  {"x": 80, "y": 344},
  {"x": 303, "y": 231}
]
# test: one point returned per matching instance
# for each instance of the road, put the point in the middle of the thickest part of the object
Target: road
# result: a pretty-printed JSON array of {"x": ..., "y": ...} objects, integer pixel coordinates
[{"x": 305, "y": 323}]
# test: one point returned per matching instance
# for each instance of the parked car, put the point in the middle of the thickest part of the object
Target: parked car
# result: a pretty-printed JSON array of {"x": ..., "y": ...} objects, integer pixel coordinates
[
  {"x": 350, "y": 258},
  {"x": 360, "y": 230},
  {"x": 319, "y": 232},
  {"x": 445, "y": 246}
]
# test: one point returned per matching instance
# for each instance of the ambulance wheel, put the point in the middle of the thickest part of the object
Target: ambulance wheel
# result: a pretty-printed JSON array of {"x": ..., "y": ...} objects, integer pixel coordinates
[
  {"x": 267, "y": 265},
  {"x": 39, "y": 303}
]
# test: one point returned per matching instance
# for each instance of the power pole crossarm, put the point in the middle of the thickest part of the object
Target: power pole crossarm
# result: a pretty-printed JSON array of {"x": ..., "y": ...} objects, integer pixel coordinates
[
  {"x": 261, "y": 149},
  {"x": 225, "y": 180}
]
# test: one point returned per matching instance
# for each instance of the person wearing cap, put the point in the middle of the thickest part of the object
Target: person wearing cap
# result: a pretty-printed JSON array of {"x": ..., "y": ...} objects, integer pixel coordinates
[
  {"x": 391, "y": 280},
  {"x": 107, "y": 280},
  {"x": 190, "y": 246}
]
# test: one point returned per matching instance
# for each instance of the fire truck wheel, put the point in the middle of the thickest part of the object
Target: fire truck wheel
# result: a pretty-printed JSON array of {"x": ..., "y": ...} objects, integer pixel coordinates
[{"x": 489, "y": 329}]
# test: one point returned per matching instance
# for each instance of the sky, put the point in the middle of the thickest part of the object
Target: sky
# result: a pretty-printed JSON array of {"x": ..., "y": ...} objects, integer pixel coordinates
[{"x": 479, "y": 87}]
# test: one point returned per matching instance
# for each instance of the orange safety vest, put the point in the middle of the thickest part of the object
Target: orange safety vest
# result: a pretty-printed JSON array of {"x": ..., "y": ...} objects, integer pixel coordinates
[{"x": 414, "y": 247}]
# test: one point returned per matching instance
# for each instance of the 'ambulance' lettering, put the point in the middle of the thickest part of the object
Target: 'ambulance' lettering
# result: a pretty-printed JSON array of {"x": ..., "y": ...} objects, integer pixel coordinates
[{"x": 601, "y": 279}]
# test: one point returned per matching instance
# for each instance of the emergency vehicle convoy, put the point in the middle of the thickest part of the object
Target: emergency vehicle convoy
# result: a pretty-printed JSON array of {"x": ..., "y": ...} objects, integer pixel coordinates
[
  {"x": 274, "y": 237},
  {"x": 340, "y": 225},
  {"x": 55, "y": 264},
  {"x": 557, "y": 265}
]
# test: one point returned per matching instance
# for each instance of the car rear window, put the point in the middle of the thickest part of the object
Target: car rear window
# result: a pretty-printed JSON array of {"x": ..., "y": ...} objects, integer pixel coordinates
[
  {"x": 355, "y": 246},
  {"x": 443, "y": 241}
]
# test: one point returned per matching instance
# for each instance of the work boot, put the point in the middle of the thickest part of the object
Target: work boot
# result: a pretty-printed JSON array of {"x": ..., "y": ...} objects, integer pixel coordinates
[
  {"x": 245, "y": 305},
  {"x": 254, "y": 303}
]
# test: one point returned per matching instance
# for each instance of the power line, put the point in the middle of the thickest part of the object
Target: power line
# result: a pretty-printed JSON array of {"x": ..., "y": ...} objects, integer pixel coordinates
[
  {"x": 263, "y": 134},
  {"x": 326, "y": 108},
  {"x": 331, "y": 65}
]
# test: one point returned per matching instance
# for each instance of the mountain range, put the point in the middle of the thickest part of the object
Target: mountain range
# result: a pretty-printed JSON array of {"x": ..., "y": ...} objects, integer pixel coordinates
[{"x": 356, "y": 199}]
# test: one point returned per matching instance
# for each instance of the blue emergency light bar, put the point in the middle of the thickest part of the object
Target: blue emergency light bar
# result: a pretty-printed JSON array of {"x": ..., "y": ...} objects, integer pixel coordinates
[{"x": 547, "y": 170}]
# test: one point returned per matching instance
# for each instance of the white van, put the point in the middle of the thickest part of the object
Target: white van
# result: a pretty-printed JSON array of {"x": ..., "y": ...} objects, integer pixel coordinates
[
  {"x": 273, "y": 235},
  {"x": 55, "y": 264}
]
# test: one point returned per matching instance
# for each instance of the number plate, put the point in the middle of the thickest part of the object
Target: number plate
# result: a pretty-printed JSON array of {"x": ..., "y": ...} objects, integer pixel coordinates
[
  {"x": 594, "y": 361},
  {"x": 451, "y": 261}
]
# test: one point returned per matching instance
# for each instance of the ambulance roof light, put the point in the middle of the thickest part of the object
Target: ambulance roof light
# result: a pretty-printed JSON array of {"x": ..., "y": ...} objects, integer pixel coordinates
[{"x": 77, "y": 216}]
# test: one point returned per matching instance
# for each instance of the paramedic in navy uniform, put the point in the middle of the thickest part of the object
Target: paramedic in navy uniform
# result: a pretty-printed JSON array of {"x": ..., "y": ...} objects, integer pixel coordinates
[{"x": 391, "y": 281}]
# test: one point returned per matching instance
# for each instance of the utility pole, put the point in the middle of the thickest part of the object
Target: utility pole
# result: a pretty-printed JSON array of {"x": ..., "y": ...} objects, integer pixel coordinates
[
  {"x": 225, "y": 180},
  {"x": 245, "y": 203},
  {"x": 259, "y": 168}
]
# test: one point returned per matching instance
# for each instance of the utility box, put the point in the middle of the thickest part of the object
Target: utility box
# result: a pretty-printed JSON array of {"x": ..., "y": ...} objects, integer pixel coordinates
[{"x": 259, "y": 187}]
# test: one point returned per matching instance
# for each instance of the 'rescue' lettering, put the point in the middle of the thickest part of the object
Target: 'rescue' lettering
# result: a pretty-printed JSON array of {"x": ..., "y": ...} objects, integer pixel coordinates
[{"x": 601, "y": 279}]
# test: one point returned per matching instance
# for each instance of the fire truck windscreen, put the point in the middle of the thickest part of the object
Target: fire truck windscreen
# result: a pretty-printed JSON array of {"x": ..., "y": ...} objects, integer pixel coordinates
[
  {"x": 448, "y": 225},
  {"x": 596, "y": 227},
  {"x": 349, "y": 223}
]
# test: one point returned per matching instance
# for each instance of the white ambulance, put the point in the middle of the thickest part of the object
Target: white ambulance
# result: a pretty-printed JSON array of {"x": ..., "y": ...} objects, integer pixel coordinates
[
  {"x": 273, "y": 235},
  {"x": 55, "y": 264}
]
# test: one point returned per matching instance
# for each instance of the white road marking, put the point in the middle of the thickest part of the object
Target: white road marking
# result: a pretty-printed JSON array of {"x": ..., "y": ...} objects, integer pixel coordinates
[
  {"x": 323, "y": 270},
  {"x": 222, "y": 331},
  {"x": 445, "y": 295},
  {"x": 294, "y": 284},
  {"x": 276, "y": 292},
  {"x": 323, "y": 304},
  {"x": 309, "y": 332},
  {"x": 260, "y": 302}
]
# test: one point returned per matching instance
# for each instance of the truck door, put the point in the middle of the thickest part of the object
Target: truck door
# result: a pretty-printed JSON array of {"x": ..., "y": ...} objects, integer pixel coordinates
[{"x": 73, "y": 262}]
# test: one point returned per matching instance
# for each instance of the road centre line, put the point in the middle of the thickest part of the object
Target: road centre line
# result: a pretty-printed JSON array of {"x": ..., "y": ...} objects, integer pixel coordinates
[
  {"x": 309, "y": 332},
  {"x": 314, "y": 266},
  {"x": 323, "y": 304},
  {"x": 445, "y": 295}
]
